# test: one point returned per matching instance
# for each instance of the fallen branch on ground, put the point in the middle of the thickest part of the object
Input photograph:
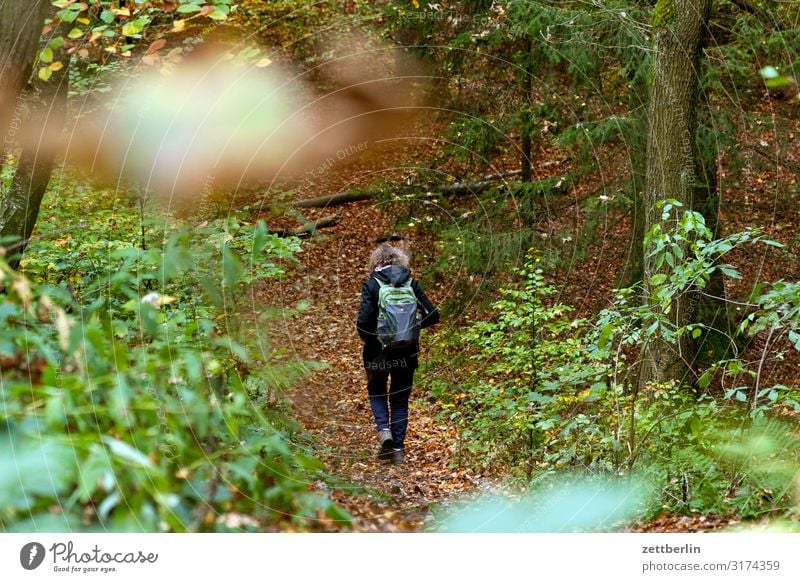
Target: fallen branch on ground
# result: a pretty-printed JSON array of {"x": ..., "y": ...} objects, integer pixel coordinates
[
  {"x": 309, "y": 228},
  {"x": 456, "y": 189},
  {"x": 336, "y": 199}
]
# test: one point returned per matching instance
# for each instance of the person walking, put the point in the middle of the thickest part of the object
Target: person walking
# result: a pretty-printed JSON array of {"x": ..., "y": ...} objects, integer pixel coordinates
[{"x": 393, "y": 310}]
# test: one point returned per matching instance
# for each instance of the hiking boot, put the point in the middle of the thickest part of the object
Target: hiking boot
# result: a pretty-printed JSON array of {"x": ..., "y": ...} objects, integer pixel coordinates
[
  {"x": 386, "y": 444},
  {"x": 398, "y": 457}
]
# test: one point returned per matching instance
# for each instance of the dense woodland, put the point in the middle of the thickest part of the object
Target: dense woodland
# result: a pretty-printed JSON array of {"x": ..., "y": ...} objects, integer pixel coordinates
[{"x": 600, "y": 196}]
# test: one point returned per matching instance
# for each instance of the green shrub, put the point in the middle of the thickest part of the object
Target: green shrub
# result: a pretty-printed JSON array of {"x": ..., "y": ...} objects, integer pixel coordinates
[
  {"x": 532, "y": 390},
  {"x": 130, "y": 398}
]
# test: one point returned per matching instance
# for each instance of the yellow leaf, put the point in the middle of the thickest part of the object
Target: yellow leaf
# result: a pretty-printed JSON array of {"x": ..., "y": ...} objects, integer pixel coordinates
[
  {"x": 44, "y": 73},
  {"x": 265, "y": 62},
  {"x": 56, "y": 66},
  {"x": 178, "y": 25},
  {"x": 164, "y": 299},
  {"x": 84, "y": 20},
  {"x": 23, "y": 289},
  {"x": 63, "y": 325}
]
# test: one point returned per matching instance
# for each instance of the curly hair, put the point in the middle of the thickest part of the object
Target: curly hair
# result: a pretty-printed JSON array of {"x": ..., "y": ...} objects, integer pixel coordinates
[{"x": 386, "y": 255}]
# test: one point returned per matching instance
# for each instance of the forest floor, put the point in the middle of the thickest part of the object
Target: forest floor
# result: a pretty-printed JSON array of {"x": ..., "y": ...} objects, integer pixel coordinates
[{"x": 332, "y": 404}]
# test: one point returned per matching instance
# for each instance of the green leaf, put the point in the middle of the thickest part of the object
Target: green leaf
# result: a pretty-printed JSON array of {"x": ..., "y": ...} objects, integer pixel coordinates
[
  {"x": 45, "y": 73},
  {"x": 68, "y": 15},
  {"x": 779, "y": 81},
  {"x": 231, "y": 267},
  {"x": 339, "y": 514},
  {"x": 730, "y": 271},
  {"x": 184, "y": 8},
  {"x": 259, "y": 239},
  {"x": 131, "y": 29},
  {"x": 54, "y": 410},
  {"x": 107, "y": 16},
  {"x": 93, "y": 472},
  {"x": 46, "y": 55},
  {"x": 32, "y": 467},
  {"x": 705, "y": 379},
  {"x": 75, "y": 33},
  {"x": 107, "y": 505},
  {"x": 218, "y": 15},
  {"x": 128, "y": 453}
]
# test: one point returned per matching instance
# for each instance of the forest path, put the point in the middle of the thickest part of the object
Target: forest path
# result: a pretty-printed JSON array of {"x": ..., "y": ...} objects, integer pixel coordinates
[{"x": 332, "y": 404}]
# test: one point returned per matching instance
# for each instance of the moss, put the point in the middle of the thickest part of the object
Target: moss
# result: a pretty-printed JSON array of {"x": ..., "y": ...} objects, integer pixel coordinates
[
  {"x": 663, "y": 14},
  {"x": 663, "y": 17}
]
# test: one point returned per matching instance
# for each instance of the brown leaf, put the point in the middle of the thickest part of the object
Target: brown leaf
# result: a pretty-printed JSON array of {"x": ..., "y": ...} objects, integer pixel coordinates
[{"x": 156, "y": 46}]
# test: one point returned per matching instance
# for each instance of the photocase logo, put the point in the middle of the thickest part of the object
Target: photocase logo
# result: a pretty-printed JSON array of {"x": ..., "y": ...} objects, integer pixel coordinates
[{"x": 31, "y": 555}]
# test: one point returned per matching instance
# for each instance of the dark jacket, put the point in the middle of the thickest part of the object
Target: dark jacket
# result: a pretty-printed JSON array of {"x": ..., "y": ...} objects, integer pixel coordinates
[{"x": 375, "y": 357}]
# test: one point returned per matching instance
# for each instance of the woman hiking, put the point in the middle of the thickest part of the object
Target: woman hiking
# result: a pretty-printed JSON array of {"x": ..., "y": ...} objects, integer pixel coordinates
[{"x": 393, "y": 310}]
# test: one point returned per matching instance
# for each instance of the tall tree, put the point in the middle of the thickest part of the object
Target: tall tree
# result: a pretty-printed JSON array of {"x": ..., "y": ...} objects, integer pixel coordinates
[
  {"x": 675, "y": 168},
  {"x": 21, "y": 24},
  {"x": 19, "y": 208}
]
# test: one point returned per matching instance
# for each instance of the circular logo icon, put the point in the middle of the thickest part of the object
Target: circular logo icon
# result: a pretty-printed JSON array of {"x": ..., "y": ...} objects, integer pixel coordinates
[{"x": 31, "y": 555}]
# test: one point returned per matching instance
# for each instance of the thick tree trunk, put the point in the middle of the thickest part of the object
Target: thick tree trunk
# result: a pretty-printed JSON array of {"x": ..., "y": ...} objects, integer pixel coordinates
[
  {"x": 673, "y": 166},
  {"x": 21, "y": 24},
  {"x": 46, "y": 103},
  {"x": 19, "y": 208}
]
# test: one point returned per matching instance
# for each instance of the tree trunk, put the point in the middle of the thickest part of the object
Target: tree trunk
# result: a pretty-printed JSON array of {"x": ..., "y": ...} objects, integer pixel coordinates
[
  {"x": 19, "y": 206},
  {"x": 21, "y": 24},
  {"x": 673, "y": 166}
]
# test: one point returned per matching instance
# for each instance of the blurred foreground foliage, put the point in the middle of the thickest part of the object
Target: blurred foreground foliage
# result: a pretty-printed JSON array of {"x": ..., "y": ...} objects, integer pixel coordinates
[{"x": 132, "y": 398}]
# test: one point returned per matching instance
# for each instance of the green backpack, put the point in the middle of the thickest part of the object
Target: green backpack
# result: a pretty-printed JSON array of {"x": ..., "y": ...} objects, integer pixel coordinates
[{"x": 398, "y": 320}]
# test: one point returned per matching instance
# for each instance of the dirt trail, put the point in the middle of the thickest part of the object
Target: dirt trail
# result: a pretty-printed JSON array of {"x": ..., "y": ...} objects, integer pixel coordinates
[{"x": 332, "y": 404}]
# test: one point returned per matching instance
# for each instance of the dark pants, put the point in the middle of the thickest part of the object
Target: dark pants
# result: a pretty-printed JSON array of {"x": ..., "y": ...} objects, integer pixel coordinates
[{"x": 391, "y": 409}]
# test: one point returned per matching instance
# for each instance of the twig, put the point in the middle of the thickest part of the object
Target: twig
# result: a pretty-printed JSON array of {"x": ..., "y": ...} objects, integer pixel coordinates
[
  {"x": 760, "y": 366},
  {"x": 309, "y": 228}
]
